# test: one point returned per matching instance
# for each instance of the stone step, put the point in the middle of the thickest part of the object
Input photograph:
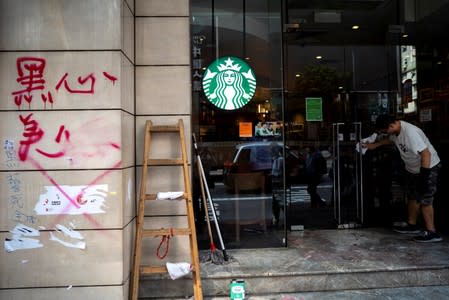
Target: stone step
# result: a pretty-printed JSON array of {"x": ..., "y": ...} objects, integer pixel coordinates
[{"x": 317, "y": 261}]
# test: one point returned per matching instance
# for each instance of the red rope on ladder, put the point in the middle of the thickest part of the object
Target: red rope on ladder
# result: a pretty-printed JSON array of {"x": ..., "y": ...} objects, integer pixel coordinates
[{"x": 164, "y": 240}]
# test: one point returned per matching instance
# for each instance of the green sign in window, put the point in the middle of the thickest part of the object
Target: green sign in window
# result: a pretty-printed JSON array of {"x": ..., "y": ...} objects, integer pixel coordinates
[
  {"x": 314, "y": 109},
  {"x": 229, "y": 83}
]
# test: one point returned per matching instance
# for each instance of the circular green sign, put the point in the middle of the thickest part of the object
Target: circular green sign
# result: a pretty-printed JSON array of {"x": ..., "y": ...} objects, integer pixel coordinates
[{"x": 229, "y": 83}]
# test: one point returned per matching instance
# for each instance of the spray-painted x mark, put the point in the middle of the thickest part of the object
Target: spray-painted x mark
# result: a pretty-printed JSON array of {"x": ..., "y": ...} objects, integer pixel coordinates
[{"x": 73, "y": 202}]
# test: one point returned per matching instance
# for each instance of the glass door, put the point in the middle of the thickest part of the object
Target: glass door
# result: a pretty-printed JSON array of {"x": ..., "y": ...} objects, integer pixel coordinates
[{"x": 334, "y": 94}]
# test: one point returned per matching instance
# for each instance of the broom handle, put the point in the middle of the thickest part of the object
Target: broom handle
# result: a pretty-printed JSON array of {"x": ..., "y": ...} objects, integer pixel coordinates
[
  {"x": 209, "y": 198},
  {"x": 203, "y": 197}
]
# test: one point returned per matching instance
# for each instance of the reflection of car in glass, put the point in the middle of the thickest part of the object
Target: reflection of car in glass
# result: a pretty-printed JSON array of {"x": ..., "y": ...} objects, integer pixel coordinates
[{"x": 257, "y": 157}]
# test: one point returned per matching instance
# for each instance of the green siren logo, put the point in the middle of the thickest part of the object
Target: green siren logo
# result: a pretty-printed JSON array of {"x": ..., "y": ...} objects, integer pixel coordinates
[{"x": 229, "y": 83}]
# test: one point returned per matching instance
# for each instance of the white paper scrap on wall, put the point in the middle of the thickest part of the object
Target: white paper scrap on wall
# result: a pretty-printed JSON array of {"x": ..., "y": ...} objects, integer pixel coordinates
[
  {"x": 20, "y": 241},
  {"x": 64, "y": 234},
  {"x": 77, "y": 244},
  {"x": 69, "y": 232},
  {"x": 83, "y": 199},
  {"x": 23, "y": 230}
]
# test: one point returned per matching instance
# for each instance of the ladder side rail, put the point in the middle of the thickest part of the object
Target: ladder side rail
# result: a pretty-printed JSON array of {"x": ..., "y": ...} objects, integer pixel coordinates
[
  {"x": 140, "y": 215},
  {"x": 197, "y": 289}
]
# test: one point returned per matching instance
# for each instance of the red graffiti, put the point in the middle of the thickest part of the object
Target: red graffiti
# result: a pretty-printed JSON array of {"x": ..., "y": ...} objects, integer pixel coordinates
[
  {"x": 110, "y": 77},
  {"x": 30, "y": 72},
  {"x": 82, "y": 81},
  {"x": 46, "y": 98},
  {"x": 61, "y": 131},
  {"x": 32, "y": 133},
  {"x": 116, "y": 146}
]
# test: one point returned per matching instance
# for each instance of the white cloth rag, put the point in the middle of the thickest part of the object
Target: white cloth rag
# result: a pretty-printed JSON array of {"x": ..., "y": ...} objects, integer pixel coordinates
[
  {"x": 178, "y": 270},
  {"x": 169, "y": 195},
  {"x": 367, "y": 140}
]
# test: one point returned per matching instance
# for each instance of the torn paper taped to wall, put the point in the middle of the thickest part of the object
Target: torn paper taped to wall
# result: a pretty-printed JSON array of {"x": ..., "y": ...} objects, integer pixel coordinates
[{"x": 72, "y": 200}]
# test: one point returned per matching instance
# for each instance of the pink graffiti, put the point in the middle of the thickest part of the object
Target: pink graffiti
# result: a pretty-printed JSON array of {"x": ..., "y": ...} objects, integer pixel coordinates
[
  {"x": 73, "y": 202},
  {"x": 30, "y": 72},
  {"x": 32, "y": 133},
  {"x": 110, "y": 77},
  {"x": 82, "y": 81}
]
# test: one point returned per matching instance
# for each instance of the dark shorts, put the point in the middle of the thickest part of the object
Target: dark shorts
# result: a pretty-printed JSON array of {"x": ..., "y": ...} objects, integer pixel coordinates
[{"x": 411, "y": 183}]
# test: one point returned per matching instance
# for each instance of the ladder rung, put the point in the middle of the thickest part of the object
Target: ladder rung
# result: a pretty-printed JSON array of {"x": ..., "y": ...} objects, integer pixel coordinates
[
  {"x": 165, "y": 128},
  {"x": 165, "y": 162},
  {"x": 152, "y": 270},
  {"x": 165, "y": 231},
  {"x": 146, "y": 270},
  {"x": 154, "y": 196}
]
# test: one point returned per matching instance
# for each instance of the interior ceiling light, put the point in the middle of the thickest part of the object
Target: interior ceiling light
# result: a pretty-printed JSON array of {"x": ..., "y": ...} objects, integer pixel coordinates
[
  {"x": 318, "y": 57},
  {"x": 355, "y": 27},
  {"x": 405, "y": 35},
  {"x": 298, "y": 75}
]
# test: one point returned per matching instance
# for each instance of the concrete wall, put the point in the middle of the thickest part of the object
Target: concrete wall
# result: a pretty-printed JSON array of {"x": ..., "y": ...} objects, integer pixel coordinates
[
  {"x": 79, "y": 80},
  {"x": 163, "y": 95},
  {"x": 67, "y": 162}
]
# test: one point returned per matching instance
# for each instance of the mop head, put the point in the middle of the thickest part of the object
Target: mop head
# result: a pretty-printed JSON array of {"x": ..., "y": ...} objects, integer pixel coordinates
[{"x": 214, "y": 256}]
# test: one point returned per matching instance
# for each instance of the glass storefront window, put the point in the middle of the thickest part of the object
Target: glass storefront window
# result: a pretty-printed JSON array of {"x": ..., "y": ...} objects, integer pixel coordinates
[
  {"x": 240, "y": 143},
  {"x": 318, "y": 66}
]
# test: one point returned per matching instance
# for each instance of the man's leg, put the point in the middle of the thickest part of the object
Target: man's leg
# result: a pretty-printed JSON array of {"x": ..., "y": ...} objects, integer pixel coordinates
[
  {"x": 413, "y": 211},
  {"x": 427, "y": 213},
  {"x": 430, "y": 235}
]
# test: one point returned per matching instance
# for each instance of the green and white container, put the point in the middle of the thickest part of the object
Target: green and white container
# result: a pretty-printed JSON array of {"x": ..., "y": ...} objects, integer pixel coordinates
[{"x": 237, "y": 289}]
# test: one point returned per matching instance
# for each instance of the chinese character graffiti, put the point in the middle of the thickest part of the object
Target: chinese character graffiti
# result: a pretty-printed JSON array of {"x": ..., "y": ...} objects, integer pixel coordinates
[{"x": 31, "y": 77}]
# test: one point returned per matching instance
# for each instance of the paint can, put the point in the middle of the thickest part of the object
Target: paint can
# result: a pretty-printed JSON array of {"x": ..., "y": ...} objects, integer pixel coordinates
[{"x": 237, "y": 289}]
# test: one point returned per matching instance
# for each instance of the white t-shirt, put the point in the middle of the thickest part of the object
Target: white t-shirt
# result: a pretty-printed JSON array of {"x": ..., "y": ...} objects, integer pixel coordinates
[{"x": 410, "y": 142}]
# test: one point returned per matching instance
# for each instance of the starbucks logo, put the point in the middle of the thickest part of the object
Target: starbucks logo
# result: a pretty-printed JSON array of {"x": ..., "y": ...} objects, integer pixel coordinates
[{"x": 229, "y": 83}]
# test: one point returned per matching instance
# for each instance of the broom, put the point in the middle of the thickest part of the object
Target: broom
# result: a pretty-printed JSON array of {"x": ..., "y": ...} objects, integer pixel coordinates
[{"x": 215, "y": 256}]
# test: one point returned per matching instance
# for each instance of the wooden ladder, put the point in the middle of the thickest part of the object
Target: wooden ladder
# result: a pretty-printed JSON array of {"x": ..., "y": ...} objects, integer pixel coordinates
[{"x": 141, "y": 232}]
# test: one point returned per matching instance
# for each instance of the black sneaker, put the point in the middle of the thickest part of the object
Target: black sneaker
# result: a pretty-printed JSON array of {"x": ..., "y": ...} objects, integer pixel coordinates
[
  {"x": 428, "y": 237},
  {"x": 407, "y": 229}
]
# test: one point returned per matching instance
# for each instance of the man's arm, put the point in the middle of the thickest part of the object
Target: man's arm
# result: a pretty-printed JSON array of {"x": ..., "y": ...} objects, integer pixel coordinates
[
  {"x": 424, "y": 171},
  {"x": 372, "y": 146},
  {"x": 425, "y": 158}
]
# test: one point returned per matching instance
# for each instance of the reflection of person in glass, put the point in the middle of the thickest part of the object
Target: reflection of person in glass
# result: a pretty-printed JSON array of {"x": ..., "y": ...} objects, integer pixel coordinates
[
  {"x": 314, "y": 176},
  {"x": 277, "y": 171},
  {"x": 229, "y": 92}
]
